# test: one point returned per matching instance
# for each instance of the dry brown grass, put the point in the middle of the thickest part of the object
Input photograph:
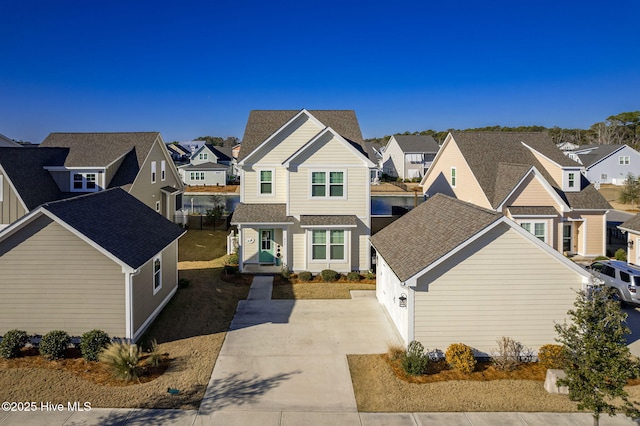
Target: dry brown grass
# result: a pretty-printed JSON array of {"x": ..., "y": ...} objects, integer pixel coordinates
[
  {"x": 317, "y": 289},
  {"x": 611, "y": 193}
]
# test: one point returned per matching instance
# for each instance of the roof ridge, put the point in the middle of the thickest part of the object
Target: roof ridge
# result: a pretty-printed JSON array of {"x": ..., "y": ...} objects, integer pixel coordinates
[{"x": 468, "y": 204}]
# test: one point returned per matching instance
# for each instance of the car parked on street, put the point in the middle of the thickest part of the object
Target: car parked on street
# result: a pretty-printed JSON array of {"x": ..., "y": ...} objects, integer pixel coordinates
[{"x": 622, "y": 277}]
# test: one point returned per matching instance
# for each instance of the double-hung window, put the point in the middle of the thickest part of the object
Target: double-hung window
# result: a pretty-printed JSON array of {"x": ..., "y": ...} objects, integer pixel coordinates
[
  {"x": 327, "y": 184},
  {"x": 453, "y": 177},
  {"x": 327, "y": 244},
  {"x": 572, "y": 180},
  {"x": 196, "y": 176},
  {"x": 84, "y": 182},
  {"x": 163, "y": 170},
  {"x": 266, "y": 182},
  {"x": 203, "y": 156},
  {"x": 157, "y": 275},
  {"x": 623, "y": 160},
  {"x": 153, "y": 172},
  {"x": 539, "y": 229}
]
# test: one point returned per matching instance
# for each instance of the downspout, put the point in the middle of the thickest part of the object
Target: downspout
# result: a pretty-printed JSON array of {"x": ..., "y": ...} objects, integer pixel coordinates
[{"x": 128, "y": 303}]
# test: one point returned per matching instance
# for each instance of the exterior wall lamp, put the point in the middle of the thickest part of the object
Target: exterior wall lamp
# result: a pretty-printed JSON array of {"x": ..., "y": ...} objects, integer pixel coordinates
[{"x": 403, "y": 300}]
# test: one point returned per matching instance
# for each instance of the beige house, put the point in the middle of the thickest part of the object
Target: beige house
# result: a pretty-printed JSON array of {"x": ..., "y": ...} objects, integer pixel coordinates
[
  {"x": 81, "y": 263},
  {"x": 525, "y": 177},
  {"x": 69, "y": 164},
  {"x": 304, "y": 192},
  {"x": 449, "y": 271},
  {"x": 632, "y": 228}
]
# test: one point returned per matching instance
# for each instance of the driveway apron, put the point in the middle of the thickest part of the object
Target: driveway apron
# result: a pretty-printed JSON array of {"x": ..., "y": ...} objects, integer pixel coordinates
[{"x": 290, "y": 355}]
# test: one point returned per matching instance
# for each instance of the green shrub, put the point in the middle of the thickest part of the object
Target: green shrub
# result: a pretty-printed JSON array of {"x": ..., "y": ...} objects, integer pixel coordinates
[
  {"x": 460, "y": 357},
  {"x": 415, "y": 361},
  {"x": 92, "y": 343},
  {"x": 12, "y": 342},
  {"x": 231, "y": 259},
  {"x": 370, "y": 275},
  {"x": 122, "y": 359},
  {"x": 285, "y": 272},
  {"x": 329, "y": 275},
  {"x": 621, "y": 254},
  {"x": 353, "y": 276},
  {"x": 601, "y": 258},
  {"x": 305, "y": 276},
  {"x": 155, "y": 356},
  {"x": 54, "y": 344},
  {"x": 551, "y": 356}
]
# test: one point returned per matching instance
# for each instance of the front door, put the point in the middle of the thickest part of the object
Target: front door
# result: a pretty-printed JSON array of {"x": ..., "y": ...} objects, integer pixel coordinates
[
  {"x": 266, "y": 246},
  {"x": 567, "y": 238}
]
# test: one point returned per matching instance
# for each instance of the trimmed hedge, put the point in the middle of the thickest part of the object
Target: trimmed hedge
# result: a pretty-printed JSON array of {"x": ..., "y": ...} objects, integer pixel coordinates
[
  {"x": 54, "y": 344},
  {"x": 329, "y": 275},
  {"x": 305, "y": 276},
  {"x": 12, "y": 342},
  {"x": 92, "y": 343},
  {"x": 353, "y": 276}
]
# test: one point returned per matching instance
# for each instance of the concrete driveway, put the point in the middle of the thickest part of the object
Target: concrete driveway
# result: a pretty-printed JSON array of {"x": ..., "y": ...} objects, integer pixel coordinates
[{"x": 285, "y": 355}]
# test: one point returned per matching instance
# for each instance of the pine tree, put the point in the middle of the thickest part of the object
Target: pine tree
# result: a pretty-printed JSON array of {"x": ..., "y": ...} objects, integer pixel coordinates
[{"x": 599, "y": 362}]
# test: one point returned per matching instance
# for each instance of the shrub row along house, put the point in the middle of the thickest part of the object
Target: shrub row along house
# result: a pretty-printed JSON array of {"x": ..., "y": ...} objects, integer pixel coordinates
[{"x": 86, "y": 240}]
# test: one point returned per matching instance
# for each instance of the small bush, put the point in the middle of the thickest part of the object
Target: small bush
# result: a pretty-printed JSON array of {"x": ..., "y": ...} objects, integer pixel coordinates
[
  {"x": 395, "y": 352},
  {"x": 305, "y": 276},
  {"x": 601, "y": 258},
  {"x": 231, "y": 259},
  {"x": 415, "y": 361},
  {"x": 12, "y": 342},
  {"x": 92, "y": 343},
  {"x": 353, "y": 276},
  {"x": 54, "y": 344},
  {"x": 370, "y": 275},
  {"x": 122, "y": 359},
  {"x": 621, "y": 254},
  {"x": 155, "y": 357},
  {"x": 329, "y": 275},
  {"x": 285, "y": 272},
  {"x": 507, "y": 356},
  {"x": 460, "y": 357},
  {"x": 551, "y": 356}
]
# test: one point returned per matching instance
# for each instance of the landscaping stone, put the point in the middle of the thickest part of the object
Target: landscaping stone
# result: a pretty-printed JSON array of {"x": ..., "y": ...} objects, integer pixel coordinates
[{"x": 550, "y": 382}]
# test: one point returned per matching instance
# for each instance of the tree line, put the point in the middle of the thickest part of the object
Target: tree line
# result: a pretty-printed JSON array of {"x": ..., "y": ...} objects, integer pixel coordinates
[{"x": 616, "y": 129}]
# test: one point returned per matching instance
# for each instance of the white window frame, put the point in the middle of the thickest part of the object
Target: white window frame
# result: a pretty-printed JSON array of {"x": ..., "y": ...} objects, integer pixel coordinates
[
  {"x": 157, "y": 275},
  {"x": 163, "y": 170},
  {"x": 328, "y": 244},
  {"x": 196, "y": 176},
  {"x": 203, "y": 156},
  {"x": 85, "y": 178},
  {"x": 532, "y": 228},
  {"x": 453, "y": 177},
  {"x": 158, "y": 206},
  {"x": 327, "y": 184},
  {"x": 624, "y": 160},
  {"x": 603, "y": 176},
  {"x": 260, "y": 182},
  {"x": 571, "y": 180},
  {"x": 153, "y": 172}
]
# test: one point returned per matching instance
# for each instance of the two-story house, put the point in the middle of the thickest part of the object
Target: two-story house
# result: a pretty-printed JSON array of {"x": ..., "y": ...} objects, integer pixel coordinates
[
  {"x": 208, "y": 165},
  {"x": 607, "y": 163},
  {"x": 408, "y": 156},
  {"x": 70, "y": 164},
  {"x": 527, "y": 178},
  {"x": 304, "y": 192}
]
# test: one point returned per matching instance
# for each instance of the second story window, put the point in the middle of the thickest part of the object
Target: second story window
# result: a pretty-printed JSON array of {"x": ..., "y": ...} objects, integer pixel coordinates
[
  {"x": 453, "y": 177},
  {"x": 203, "y": 156},
  {"x": 624, "y": 160},
  {"x": 327, "y": 184},
  {"x": 153, "y": 172},
  {"x": 266, "y": 182},
  {"x": 572, "y": 180},
  {"x": 163, "y": 170},
  {"x": 84, "y": 182}
]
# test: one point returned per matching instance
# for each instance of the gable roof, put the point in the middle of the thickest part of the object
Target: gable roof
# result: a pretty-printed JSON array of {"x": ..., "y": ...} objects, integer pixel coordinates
[
  {"x": 264, "y": 123},
  {"x": 24, "y": 167},
  {"x": 5, "y": 141},
  {"x": 428, "y": 232},
  {"x": 221, "y": 152},
  {"x": 499, "y": 161},
  {"x": 134, "y": 238},
  {"x": 632, "y": 224},
  {"x": 596, "y": 153},
  {"x": 416, "y": 143}
]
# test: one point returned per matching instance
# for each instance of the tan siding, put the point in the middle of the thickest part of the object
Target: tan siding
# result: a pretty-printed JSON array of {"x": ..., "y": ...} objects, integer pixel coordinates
[
  {"x": 439, "y": 179},
  {"x": 144, "y": 301},
  {"x": 288, "y": 141},
  {"x": 43, "y": 288},
  {"x": 532, "y": 193},
  {"x": 11, "y": 208},
  {"x": 250, "y": 250},
  {"x": 552, "y": 169},
  {"x": 596, "y": 230},
  {"x": 250, "y": 182},
  {"x": 504, "y": 286},
  {"x": 111, "y": 171}
]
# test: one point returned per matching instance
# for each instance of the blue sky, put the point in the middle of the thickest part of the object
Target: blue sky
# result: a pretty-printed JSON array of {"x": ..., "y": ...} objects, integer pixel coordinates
[{"x": 192, "y": 68}]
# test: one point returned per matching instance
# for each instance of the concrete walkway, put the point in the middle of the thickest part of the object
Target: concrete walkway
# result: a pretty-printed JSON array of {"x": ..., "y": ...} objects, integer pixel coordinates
[{"x": 283, "y": 363}]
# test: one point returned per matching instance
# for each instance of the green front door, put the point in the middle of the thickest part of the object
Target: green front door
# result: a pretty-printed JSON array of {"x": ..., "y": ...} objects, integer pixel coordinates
[{"x": 266, "y": 246}]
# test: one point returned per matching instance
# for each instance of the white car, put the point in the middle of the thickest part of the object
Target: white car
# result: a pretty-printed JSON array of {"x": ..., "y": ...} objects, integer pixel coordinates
[{"x": 621, "y": 276}]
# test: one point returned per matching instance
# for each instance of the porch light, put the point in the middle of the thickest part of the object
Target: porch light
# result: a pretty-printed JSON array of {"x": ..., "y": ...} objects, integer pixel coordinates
[
  {"x": 630, "y": 243},
  {"x": 403, "y": 300}
]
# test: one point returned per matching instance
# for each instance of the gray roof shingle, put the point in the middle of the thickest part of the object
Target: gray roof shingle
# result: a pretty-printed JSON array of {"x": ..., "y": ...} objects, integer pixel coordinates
[
  {"x": 632, "y": 224},
  {"x": 134, "y": 237},
  {"x": 264, "y": 123},
  {"x": 598, "y": 153},
  {"x": 260, "y": 213},
  {"x": 417, "y": 143},
  {"x": 428, "y": 232}
]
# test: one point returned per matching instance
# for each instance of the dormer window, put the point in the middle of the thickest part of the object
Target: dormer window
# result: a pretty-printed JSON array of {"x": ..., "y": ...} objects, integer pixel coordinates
[
  {"x": 203, "y": 156},
  {"x": 84, "y": 182},
  {"x": 572, "y": 180}
]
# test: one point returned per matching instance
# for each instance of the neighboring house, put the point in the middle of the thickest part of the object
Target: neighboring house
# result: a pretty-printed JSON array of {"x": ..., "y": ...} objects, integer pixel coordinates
[
  {"x": 103, "y": 260},
  {"x": 208, "y": 165},
  {"x": 567, "y": 146},
  {"x": 525, "y": 177},
  {"x": 408, "y": 156},
  {"x": 449, "y": 271},
  {"x": 6, "y": 142},
  {"x": 374, "y": 153},
  {"x": 632, "y": 228},
  {"x": 304, "y": 192},
  {"x": 607, "y": 163},
  {"x": 179, "y": 154},
  {"x": 137, "y": 162}
]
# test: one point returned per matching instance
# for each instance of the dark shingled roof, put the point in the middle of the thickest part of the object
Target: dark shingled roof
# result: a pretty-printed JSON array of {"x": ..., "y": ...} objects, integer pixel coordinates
[
  {"x": 428, "y": 232},
  {"x": 264, "y": 123},
  {"x": 134, "y": 237},
  {"x": 499, "y": 160},
  {"x": 632, "y": 224},
  {"x": 416, "y": 143},
  {"x": 533, "y": 211},
  {"x": 334, "y": 220},
  {"x": 260, "y": 213},
  {"x": 598, "y": 153},
  {"x": 25, "y": 168}
]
